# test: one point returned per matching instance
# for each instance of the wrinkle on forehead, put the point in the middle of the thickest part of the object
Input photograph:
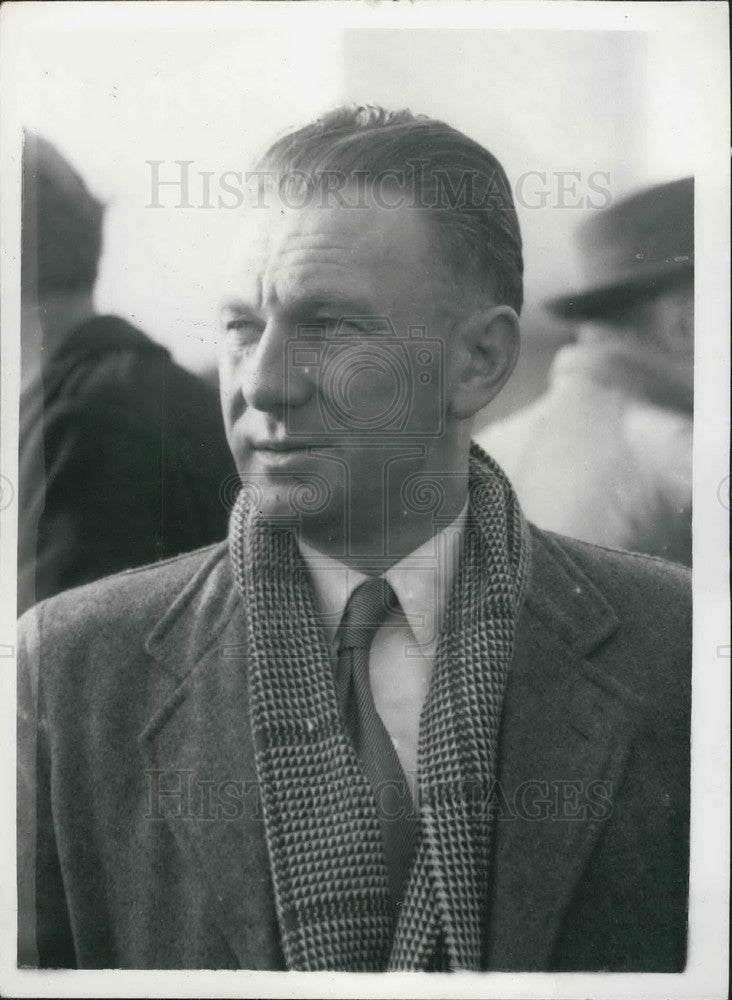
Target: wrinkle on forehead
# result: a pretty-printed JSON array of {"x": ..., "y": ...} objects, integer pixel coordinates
[{"x": 298, "y": 250}]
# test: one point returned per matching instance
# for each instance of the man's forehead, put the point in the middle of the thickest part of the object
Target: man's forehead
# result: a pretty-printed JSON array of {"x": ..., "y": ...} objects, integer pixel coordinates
[{"x": 367, "y": 233}]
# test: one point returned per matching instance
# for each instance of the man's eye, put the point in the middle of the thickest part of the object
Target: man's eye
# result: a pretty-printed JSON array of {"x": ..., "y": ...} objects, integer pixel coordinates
[
  {"x": 241, "y": 330},
  {"x": 240, "y": 324}
]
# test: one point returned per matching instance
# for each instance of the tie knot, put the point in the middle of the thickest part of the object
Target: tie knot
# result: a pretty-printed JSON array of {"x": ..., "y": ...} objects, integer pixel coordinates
[{"x": 368, "y": 607}]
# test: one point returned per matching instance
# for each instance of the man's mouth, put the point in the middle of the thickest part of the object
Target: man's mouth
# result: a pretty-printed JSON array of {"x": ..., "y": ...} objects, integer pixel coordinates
[{"x": 284, "y": 447}]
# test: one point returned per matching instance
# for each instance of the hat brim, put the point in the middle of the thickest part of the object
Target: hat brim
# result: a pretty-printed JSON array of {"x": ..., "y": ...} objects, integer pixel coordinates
[{"x": 600, "y": 301}]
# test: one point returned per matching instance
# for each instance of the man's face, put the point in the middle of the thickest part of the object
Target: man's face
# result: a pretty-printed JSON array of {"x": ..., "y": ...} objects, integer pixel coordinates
[
  {"x": 671, "y": 321},
  {"x": 336, "y": 364}
]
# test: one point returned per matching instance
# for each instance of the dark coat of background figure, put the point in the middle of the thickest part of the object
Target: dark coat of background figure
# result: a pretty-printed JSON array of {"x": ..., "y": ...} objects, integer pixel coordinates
[
  {"x": 134, "y": 458},
  {"x": 122, "y": 457}
]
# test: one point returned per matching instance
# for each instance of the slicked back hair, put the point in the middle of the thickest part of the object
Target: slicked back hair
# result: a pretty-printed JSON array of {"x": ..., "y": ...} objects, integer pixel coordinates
[{"x": 461, "y": 184}]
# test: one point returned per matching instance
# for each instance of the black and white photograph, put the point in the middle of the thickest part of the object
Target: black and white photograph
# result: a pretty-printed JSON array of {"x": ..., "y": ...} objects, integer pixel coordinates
[{"x": 364, "y": 499}]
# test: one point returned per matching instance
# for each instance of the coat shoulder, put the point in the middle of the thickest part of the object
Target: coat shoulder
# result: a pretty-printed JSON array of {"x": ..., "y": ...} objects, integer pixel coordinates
[
  {"x": 134, "y": 599},
  {"x": 621, "y": 575}
]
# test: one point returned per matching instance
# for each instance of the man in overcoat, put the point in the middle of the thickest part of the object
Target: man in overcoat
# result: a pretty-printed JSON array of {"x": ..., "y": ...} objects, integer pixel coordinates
[
  {"x": 121, "y": 453},
  {"x": 605, "y": 454},
  {"x": 388, "y": 725}
]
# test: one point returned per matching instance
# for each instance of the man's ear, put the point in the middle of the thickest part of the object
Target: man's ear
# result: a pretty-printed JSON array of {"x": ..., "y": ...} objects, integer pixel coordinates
[{"x": 486, "y": 349}]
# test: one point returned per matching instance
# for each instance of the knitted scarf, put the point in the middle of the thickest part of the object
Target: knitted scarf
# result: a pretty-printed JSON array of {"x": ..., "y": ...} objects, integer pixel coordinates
[{"x": 323, "y": 834}]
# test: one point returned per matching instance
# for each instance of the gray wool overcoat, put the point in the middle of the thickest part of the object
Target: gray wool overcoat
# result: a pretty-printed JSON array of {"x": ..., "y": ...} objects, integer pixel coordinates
[{"x": 141, "y": 844}]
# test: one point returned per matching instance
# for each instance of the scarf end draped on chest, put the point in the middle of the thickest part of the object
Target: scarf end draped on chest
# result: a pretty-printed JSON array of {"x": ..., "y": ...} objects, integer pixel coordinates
[{"x": 322, "y": 827}]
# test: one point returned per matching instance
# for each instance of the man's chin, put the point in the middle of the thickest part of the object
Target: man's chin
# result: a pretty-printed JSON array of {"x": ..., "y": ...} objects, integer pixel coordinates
[{"x": 290, "y": 499}]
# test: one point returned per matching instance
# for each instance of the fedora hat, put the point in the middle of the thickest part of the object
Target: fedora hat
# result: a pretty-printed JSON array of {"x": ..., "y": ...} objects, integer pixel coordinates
[{"x": 633, "y": 250}]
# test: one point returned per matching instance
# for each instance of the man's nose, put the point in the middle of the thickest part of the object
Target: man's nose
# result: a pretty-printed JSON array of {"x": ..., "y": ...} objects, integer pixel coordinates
[{"x": 269, "y": 380}]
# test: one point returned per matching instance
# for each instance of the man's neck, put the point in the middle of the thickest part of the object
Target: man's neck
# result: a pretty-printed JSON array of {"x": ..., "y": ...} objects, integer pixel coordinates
[{"x": 390, "y": 538}]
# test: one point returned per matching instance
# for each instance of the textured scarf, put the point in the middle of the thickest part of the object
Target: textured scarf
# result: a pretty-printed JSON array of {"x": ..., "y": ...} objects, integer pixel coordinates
[{"x": 323, "y": 834}]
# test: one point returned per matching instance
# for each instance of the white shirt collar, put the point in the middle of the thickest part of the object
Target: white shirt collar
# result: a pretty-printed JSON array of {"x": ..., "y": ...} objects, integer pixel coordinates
[{"x": 422, "y": 581}]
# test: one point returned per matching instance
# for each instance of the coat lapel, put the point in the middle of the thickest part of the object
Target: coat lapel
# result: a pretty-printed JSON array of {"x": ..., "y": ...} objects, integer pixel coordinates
[
  {"x": 565, "y": 736},
  {"x": 201, "y": 726}
]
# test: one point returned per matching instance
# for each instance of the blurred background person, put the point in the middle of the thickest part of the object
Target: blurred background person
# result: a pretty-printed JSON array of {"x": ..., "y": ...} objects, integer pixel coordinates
[
  {"x": 605, "y": 455},
  {"x": 122, "y": 456}
]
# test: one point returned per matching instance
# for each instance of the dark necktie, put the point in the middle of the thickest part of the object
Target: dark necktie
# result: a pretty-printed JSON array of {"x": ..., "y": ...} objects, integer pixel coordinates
[{"x": 368, "y": 607}]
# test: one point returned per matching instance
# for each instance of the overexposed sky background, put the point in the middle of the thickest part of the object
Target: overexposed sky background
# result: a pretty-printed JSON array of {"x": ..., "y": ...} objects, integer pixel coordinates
[{"x": 545, "y": 102}]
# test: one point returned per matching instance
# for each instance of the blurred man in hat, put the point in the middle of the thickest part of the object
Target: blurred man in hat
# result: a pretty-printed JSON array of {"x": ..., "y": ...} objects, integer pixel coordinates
[
  {"x": 121, "y": 454},
  {"x": 605, "y": 454}
]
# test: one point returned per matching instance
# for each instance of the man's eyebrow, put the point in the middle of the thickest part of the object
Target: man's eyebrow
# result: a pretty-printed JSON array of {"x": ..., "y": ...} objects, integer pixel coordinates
[{"x": 237, "y": 306}]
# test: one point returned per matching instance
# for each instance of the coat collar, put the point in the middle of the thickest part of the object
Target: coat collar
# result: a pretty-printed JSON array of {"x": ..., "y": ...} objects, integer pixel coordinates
[
  {"x": 564, "y": 599},
  {"x": 563, "y": 721}
]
